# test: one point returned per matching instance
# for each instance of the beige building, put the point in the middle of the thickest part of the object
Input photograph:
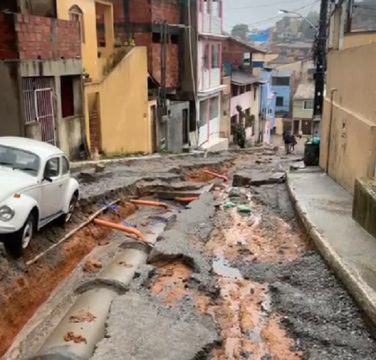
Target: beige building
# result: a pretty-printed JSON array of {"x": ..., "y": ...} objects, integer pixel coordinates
[
  {"x": 348, "y": 130},
  {"x": 302, "y": 110}
]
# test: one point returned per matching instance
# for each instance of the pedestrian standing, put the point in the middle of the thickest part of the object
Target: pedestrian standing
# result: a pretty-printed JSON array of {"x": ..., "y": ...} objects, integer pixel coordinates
[
  {"x": 287, "y": 141},
  {"x": 293, "y": 143}
]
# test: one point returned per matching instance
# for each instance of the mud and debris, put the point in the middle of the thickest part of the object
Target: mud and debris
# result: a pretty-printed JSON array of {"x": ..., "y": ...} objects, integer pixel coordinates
[
  {"x": 83, "y": 316},
  {"x": 71, "y": 336},
  {"x": 92, "y": 265},
  {"x": 233, "y": 276}
]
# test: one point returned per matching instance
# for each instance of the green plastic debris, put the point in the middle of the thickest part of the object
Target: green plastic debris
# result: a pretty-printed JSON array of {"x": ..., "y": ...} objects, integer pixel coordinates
[
  {"x": 244, "y": 209},
  {"x": 229, "y": 205},
  {"x": 234, "y": 192}
]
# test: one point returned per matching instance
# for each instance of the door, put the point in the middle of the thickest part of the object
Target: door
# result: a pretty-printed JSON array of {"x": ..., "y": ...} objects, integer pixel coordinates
[
  {"x": 296, "y": 127},
  {"x": 153, "y": 124},
  {"x": 45, "y": 114},
  {"x": 52, "y": 198},
  {"x": 306, "y": 127}
]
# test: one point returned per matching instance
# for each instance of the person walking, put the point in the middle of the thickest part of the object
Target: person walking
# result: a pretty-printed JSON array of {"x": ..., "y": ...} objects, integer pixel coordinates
[
  {"x": 293, "y": 143},
  {"x": 287, "y": 140}
]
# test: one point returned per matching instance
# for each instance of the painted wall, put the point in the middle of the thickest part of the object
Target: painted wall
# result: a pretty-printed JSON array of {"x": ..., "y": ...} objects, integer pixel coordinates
[
  {"x": 350, "y": 115},
  {"x": 357, "y": 39},
  {"x": 208, "y": 77},
  {"x": 124, "y": 107},
  {"x": 210, "y": 18},
  {"x": 298, "y": 111},
  {"x": 285, "y": 93},
  {"x": 225, "y": 108},
  {"x": 244, "y": 100},
  {"x": 209, "y": 126},
  {"x": 89, "y": 47}
]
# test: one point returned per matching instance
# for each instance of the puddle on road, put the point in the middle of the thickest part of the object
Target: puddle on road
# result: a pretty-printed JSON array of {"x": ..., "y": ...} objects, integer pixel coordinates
[
  {"x": 248, "y": 327},
  {"x": 221, "y": 267}
]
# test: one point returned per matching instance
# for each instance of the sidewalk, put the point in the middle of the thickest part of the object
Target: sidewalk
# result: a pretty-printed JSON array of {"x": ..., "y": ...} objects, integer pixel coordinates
[{"x": 326, "y": 211}]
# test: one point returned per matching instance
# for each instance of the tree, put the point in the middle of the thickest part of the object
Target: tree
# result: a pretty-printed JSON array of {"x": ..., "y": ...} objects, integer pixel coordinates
[
  {"x": 306, "y": 28},
  {"x": 240, "y": 30}
]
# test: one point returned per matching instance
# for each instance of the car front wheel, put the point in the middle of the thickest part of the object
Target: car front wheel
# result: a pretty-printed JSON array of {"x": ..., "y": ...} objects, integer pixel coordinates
[{"x": 20, "y": 240}]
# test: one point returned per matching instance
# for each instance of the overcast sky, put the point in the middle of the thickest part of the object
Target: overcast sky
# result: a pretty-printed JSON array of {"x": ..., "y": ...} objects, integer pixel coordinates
[{"x": 262, "y": 13}]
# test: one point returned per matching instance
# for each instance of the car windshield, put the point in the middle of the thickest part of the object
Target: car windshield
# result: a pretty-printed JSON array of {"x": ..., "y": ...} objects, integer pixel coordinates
[{"x": 18, "y": 159}]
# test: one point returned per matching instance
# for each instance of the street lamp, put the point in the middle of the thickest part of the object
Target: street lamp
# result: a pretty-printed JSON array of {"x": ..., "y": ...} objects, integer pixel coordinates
[{"x": 299, "y": 15}]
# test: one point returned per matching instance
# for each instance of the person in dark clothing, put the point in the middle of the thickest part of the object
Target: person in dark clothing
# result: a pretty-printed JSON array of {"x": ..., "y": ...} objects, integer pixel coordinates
[
  {"x": 287, "y": 140},
  {"x": 293, "y": 143}
]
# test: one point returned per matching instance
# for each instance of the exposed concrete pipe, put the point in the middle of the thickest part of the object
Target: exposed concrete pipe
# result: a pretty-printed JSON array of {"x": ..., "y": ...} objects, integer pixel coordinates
[{"x": 83, "y": 326}]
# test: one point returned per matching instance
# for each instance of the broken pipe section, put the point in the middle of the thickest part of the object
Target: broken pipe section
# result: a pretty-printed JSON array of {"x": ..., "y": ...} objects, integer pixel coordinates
[{"x": 83, "y": 326}]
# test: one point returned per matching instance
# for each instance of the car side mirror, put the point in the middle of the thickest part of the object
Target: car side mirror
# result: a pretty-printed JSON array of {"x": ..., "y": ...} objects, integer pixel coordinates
[{"x": 47, "y": 178}]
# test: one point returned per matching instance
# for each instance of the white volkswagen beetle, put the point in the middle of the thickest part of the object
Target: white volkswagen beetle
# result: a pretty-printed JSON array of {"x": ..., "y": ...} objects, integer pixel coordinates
[{"x": 35, "y": 189}]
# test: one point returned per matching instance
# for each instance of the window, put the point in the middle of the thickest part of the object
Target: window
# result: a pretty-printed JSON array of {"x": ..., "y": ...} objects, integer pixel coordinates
[
  {"x": 65, "y": 165},
  {"x": 255, "y": 89},
  {"x": 18, "y": 159},
  {"x": 203, "y": 113},
  {"x": 215, "y": 56},
  {"x": 76, "y": 14},
  {"x": 214, "y": 107},
  {"x": 242, "y": 89},
  {"x": 216, "y": 8},
  {"x": 281, "y": 81},
  {"x": 311, "y": 71},
  {"x": 279, "y": 101},
  {"x": 207, "y": 6},
  {"x": 308, "y": 105},
  {"x": 248, "y": 88},
  {"x": 206, "y": 56},
  {"x": 52, "y": 168},
  {"x": 234, "y": 90}
]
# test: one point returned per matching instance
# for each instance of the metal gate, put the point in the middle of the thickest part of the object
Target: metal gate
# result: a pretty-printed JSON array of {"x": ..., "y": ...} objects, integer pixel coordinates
[{"x": 38, "y": 105}]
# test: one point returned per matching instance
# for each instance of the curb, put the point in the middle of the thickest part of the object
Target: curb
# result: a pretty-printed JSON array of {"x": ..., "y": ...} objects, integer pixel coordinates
[{"x": 363, "y": 295}]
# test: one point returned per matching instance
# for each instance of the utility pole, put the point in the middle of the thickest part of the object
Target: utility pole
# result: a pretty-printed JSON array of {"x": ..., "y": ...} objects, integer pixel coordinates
[{"x": 320, "y": 60}]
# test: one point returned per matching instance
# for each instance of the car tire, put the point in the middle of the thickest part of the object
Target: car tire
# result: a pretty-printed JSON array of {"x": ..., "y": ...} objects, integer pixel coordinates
[
  {"x": 20, "y": 240},
  {"x": 65, "y": 218}
]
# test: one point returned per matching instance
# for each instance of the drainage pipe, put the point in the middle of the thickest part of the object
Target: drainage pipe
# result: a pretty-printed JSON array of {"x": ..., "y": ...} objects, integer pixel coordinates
[
  {"x": 219, "y": 176},
  {"x": 84, "y": 324},
  {"x": 149, "y": 203},
  {"x": 120, "y": 227},
  {"x": 186, "y": 199}
]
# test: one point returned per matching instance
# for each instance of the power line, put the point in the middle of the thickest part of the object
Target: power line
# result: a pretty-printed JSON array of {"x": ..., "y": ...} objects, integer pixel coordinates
[{"x": 263, "y": 5}]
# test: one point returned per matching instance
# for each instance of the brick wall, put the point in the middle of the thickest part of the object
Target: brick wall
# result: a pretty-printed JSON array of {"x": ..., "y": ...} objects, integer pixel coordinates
[
  {"x": 28, "y": 37},
  {"x": 165, "y": 10},
  {"x": 172, "y": 64},
  {"x": 233, "y": 52},
  {"x": 147, "y": 12}
]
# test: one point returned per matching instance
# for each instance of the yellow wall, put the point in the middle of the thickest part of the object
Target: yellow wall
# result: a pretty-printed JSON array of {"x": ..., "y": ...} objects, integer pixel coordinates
[
  {"x": 279, "y": 126},
  {"x": 357, "y": 39},
  {"x": 90, "y": 46},
  {"x": 124, "y": 108},
  {"x": 298, "y": 112},
  {"x": 352, "y": 146}
]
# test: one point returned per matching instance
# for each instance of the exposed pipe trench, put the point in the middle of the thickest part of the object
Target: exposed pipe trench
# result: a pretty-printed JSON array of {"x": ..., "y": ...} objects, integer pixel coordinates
[
  {"x": 120, "y": 227},
  {"x": 83, "y": 326}
]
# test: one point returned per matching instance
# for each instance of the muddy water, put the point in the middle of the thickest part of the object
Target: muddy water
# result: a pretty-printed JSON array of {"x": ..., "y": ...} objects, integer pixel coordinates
[{"x": 248, "y": 326}]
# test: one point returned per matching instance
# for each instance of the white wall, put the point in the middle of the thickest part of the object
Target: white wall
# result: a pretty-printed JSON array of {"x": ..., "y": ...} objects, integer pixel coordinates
[{"x": 209, "y": 127}]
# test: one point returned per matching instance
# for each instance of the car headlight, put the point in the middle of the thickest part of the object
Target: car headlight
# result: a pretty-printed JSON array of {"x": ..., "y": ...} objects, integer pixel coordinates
[{"x": 6, "y": 213}]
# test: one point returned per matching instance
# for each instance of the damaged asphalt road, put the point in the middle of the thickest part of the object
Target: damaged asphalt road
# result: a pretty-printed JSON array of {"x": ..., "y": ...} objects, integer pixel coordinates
[
  {"x": 233, "y": 277},
  {"x": 299, "y": 310}
]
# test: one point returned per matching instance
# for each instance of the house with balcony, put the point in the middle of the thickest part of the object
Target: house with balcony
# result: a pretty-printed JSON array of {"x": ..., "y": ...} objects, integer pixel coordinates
[
  {"x": 118, "y": 116},
  {"x": 302, "y": 111},
  {"x": 245, "y": 87},
  {"x": 209, "y": 74},
  {"x": 41, "y": 74}
]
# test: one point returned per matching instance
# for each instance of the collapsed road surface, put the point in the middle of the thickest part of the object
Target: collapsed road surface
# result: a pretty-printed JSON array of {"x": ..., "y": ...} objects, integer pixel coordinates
[{"x": 231, "y": 276}]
